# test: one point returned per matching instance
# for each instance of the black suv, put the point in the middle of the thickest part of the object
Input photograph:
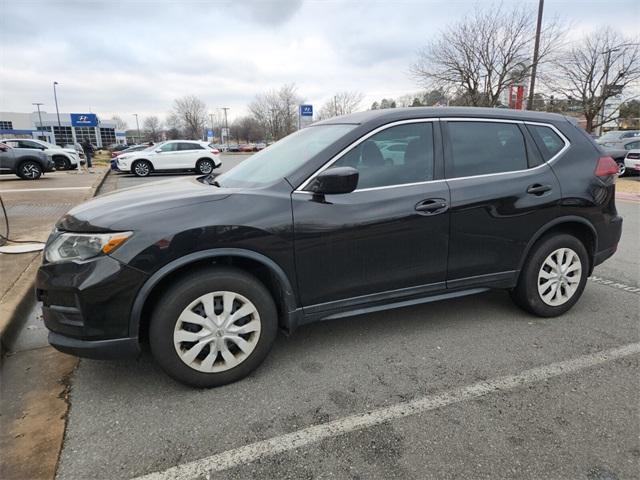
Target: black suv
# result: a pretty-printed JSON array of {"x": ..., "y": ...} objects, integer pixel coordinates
[{"x": 355, "y": 214}]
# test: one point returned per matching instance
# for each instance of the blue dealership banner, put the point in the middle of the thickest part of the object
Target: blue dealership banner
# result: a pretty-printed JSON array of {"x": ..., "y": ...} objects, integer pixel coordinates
[{"x": 84, "y": 120}]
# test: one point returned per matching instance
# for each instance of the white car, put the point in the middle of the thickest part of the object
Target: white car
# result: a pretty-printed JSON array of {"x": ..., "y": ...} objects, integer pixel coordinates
[
  {"x": 200, "y": 157},
  {"x": 632, "y": 161},
  {"x": 63, "y": 158}
]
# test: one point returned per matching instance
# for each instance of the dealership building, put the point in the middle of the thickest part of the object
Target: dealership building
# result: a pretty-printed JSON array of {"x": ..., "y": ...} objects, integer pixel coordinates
[{"x": 69, "y": 128}]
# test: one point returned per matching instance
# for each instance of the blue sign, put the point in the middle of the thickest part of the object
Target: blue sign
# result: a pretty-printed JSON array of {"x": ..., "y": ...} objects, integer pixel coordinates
[
  {"x": 306, "y": 110},
  {"x": 210, "y": 133},
  {"x": 84, "y": 120}
]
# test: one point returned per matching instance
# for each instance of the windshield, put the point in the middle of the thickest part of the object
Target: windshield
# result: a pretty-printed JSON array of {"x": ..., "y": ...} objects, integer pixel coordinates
[{"x": 283, "y": 157}]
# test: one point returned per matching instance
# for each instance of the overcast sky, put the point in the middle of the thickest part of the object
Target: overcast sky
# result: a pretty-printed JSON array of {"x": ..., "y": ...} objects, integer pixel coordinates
[{"x": 124, "y": 57}]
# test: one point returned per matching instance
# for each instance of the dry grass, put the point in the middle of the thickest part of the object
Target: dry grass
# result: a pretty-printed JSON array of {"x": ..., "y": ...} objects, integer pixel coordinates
[{"x": 628, "y": 184}]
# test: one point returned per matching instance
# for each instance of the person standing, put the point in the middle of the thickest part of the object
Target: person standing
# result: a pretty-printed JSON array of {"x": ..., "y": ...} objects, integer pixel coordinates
[{"x": 88, "y": 152}]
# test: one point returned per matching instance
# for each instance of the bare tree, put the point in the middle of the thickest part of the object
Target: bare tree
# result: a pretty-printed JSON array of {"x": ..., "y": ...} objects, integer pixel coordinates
[
  {"x": 191, "y": 113},
  {"x": 120, "y": 123},
  {"x": 247, "y": 129},
  {"x": 596, "y": 69},
  {"x": 342, "y": 103},
  {"x": 152, "y": 128},
  {"x": 277, "y": 111},
  {"x": 483, "y": 54}
]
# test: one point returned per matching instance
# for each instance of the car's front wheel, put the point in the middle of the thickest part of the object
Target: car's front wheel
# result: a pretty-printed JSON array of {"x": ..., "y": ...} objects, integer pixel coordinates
[
  {"x": 61, "y": 163},
  {"x": 622, "y": 169},
  {"x": 142, "y": 168},
  {"x": 553, "y": 277},
  {"x": 213, "y": 327},
  {"x": 204, "y": 166},
  {"x": 29, "y": 170}
]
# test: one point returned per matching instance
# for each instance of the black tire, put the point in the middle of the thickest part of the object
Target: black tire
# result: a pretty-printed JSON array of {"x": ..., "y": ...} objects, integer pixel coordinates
[
  {"x": 526, "y": 294},
  {"x": 29, "y": 170},
  {"x": 141, "y": 168},
  {"x": 187, "y": 290},
  {"x": 204, "y": 166},
  {"x": 622, "y": 169},
  {"x": 61, "y": 163}
]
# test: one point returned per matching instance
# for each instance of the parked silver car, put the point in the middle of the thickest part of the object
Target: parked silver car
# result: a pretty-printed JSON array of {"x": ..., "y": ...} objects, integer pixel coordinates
[{"x": 27, "y": 163}]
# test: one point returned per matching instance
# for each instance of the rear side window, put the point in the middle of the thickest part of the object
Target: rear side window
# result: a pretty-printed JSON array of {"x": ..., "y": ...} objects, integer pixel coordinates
[
  {"x": 479, "y": 148},
  {"x": 548, "y": 141},
  {"x": 189, "y": 146},
  {"x": 632, "y": 145}
]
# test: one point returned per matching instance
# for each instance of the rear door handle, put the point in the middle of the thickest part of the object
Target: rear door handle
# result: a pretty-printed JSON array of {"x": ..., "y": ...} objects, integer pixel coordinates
[
  {"x": 432, "y": 206},
  {"x": 537, "y": 189}
]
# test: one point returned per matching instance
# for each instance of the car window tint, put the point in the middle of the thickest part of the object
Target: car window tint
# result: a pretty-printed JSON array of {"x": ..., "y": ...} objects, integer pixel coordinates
[
  {"x": 480, "y": 148},
  {"x": 632, "y": 145},
  {"x": 549, "y": 142},
  {"x": 188, "y": 146},
  {"x": 168, "y": 147},
  {"x": 413, "y": 162}
]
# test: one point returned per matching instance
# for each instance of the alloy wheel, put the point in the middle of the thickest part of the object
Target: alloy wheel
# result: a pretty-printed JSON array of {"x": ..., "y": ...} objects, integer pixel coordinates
[
  {"x": 217, "y": 331},
  {"x": 621, "y": 169},
  {"x": 205, "y": 167},
  {"x": 142, "y": 169},
  {"x": 559, "y": 277},
  {"x": 30, "y": 170}
]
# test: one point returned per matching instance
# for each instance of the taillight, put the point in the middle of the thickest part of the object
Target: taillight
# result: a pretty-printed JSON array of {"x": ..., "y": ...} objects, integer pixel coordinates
[
  {"x": 215, "y": 152},
  {"x": 606, "y": 166},
  {"x": 634, "y": 156}
]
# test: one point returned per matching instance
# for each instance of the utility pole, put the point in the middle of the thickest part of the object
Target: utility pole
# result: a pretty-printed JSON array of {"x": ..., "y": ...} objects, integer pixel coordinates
[
  {"x": 137, "y": 126},
  {"x": 536, "y": 48},
  {"x": 226, "y": 127},
  {"x": 37, "y": 104},
  {"x": 55, "y": 97}
]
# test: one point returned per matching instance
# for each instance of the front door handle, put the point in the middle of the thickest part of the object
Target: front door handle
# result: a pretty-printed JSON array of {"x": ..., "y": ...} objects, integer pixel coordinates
[
  {"x": 432, "y": 206},
  {"x": 537, "y": 189}
]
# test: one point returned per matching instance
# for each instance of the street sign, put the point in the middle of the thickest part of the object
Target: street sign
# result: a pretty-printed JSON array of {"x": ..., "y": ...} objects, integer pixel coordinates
[
  {"x": 306, "y": 110},
  {"x": 209, "y": 135},
  {"x": 84, "y": 120}
]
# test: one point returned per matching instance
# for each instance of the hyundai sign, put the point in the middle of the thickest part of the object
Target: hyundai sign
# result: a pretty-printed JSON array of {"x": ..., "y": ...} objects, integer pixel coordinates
[
  {"x": 306, "y": 110},
  {"x": 84, "y": 120}
]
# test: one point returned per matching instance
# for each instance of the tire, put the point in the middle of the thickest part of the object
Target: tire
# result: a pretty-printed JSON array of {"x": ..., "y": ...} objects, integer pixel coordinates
[
  {"x": 622, "y": 169},
  {"x": 535, "y": 289},
  {"x": 141, "y": 168},
  {"x": 170, "y": 333},
  {"x": 29, "y": 170},
  {"x": 61, "y": 163},
  {"x": 204, "y": 166}
]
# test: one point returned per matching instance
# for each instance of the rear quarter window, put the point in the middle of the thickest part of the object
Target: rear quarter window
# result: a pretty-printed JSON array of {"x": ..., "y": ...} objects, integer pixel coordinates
[{"x": 548, "y": 141}]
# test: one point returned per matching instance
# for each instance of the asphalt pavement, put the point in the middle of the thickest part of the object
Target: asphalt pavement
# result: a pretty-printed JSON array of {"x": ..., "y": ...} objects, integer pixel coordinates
[{"x": 568, "y": 410}]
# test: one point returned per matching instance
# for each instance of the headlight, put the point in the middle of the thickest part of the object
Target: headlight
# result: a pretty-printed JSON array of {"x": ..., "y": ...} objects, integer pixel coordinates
[{"x": 81, "y": 246}]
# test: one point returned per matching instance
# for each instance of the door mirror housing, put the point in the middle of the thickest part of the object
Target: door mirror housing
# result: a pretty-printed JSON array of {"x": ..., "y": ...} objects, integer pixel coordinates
[
  {"x": 158, "y": 150},
  {"x": 3, "y": 147},
  {"x": 335, "y": 181}
]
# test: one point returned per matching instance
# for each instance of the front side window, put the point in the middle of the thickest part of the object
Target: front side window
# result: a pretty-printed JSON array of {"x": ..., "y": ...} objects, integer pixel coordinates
[
  {"x": 632, "y": 145},
  {"x": 395, "y": 156},
  {"x": 480, "y": 148},
  {"x": 168, "y": 147}
]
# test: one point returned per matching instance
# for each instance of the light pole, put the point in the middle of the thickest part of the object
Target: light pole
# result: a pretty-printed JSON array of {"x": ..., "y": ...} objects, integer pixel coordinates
[
  {"x": 37, "y": 104},
  {"x": 536, "y": 48},
  {"x": 137, "y": 126},
  {"x": 226, "y": 127},
  {"x": 55, "y": 97}
]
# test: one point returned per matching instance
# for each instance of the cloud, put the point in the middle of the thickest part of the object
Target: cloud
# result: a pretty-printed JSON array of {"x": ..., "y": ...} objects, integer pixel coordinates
[{"x": 121, "y": 57}]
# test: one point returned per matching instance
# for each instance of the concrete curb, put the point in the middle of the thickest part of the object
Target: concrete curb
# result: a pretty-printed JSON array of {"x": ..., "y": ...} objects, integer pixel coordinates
[{"x": 21, "y": 296}]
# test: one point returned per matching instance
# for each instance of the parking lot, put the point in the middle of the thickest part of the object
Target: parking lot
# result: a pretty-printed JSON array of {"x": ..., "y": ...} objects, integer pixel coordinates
[
  {"x": 465, "y": 388},
  {"x": 128, "y": 419}
]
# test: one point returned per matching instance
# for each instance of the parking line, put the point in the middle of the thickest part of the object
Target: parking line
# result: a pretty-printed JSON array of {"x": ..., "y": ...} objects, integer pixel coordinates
[
  {"x": 43, "y": 189},
  {"x": 300, "y": 438}
]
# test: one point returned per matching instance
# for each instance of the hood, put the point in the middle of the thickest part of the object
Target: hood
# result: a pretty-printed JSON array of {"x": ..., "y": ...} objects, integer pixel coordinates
[
  {"x": 131, "y": 205},
  {"x": 70, "y": 150}
]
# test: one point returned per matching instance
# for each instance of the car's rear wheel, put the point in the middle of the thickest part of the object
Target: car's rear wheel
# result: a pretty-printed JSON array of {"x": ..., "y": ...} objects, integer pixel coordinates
[
  {"x": 622, "y": 169},
  {"x": 29, "y": 170},
  {"x": 204, "y": 166},
  {"x": 142, "y": 168},
  {"x": 213, "y": 327},
  {"x": 61, "y": 163},
  {"x": 553, "y": 277}
]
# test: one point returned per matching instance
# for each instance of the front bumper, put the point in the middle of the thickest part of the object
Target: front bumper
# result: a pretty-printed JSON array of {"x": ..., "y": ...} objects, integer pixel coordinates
[
  {"x": 87, "y": 305},
  {"x": 632, "y": 164}
]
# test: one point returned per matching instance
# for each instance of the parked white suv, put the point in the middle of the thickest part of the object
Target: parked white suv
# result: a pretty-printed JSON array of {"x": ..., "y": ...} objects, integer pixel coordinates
[
  {"x": 63, "y": 158},
  {"x": 172, "y": 155}
]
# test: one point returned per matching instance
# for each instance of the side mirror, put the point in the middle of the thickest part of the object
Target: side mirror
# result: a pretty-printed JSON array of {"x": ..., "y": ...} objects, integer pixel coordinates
[
  {"x": 3, "y": 147},
  {"x": 335, "y": 181},
  {"x": 157, "y": 150}
]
